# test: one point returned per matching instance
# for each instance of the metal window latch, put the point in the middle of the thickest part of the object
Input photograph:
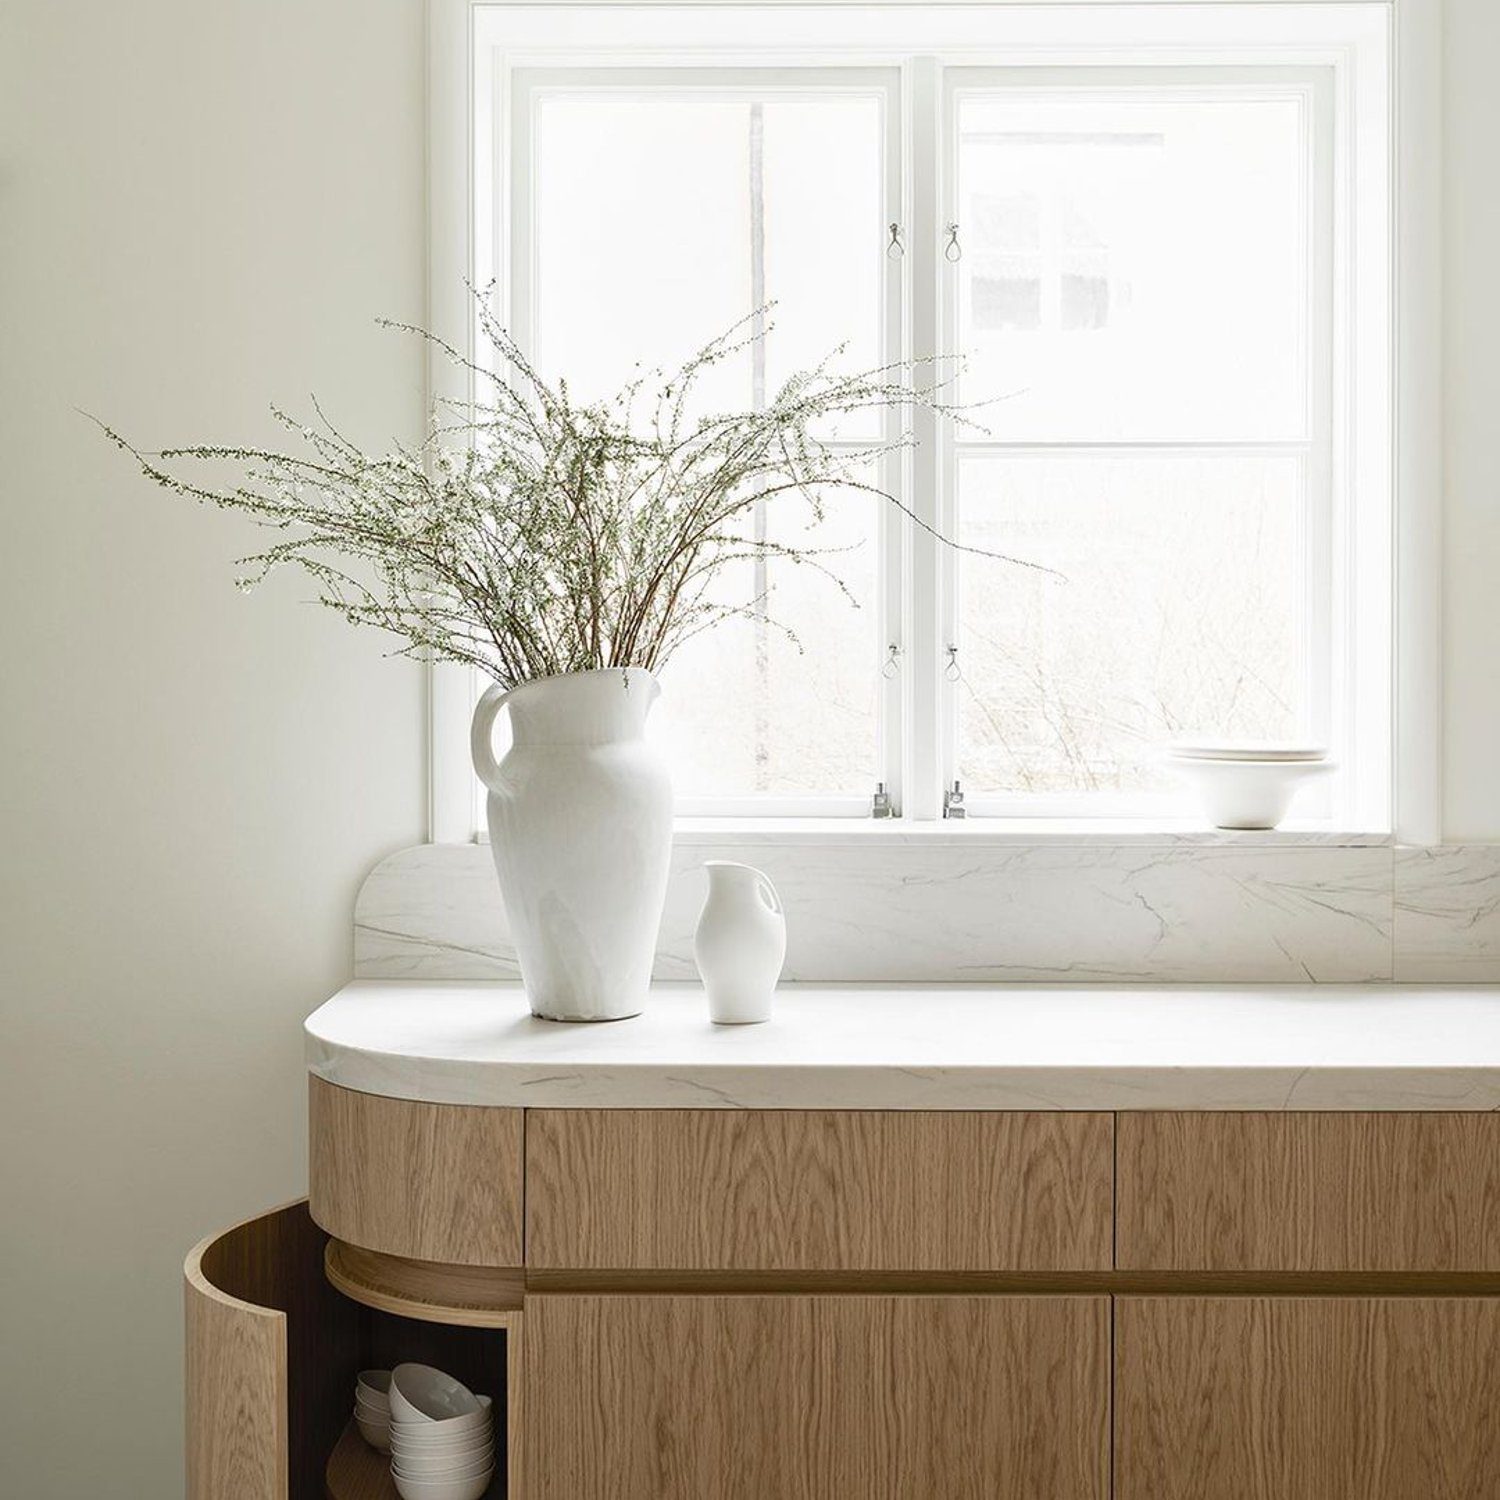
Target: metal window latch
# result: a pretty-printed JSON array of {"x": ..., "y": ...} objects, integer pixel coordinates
[
  {"x": 953, "y": 802},
  {"x": 881, "y": 805}
]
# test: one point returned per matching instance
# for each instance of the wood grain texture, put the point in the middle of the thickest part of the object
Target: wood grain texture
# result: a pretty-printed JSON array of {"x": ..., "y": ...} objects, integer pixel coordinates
[
  {"x": 816, "y": 1398},
  {"x": 236, "y": 1399},
  {"x": 818, "y": 1190},
  {"x": 357, "y": 1471},
  {"x": 436, "y": 1182},
  {"x": 1309, "y": 1192},
  {"x": 271, "y": 1355},
  {"x": 1291, "y": 1398},
  {"x": 468, "y": 1296}
]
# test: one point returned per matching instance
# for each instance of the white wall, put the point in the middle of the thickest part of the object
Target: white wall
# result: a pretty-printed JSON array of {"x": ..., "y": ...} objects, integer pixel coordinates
[
  {"x": 1471, "y": 394},
  {"x": 202, "y": 208}
]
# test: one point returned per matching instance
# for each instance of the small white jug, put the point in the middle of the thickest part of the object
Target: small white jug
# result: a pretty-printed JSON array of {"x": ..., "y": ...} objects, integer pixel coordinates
[{"x": 740, "y": 943}]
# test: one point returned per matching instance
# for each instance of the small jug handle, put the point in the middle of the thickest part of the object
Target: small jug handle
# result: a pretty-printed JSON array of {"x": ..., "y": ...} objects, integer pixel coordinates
[
  {"x": 768, "y": 893},
  {"x": 482, "y": 733}
]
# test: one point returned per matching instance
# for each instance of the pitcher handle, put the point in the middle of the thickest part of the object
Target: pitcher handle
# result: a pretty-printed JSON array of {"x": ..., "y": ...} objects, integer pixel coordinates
[
  {"x": 768, "y": 893},
  {"x": 482, "y": 734}
]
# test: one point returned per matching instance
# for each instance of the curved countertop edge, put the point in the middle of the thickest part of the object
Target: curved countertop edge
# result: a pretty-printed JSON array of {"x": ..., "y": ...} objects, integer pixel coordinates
[{"x": 991, "y": 1047}]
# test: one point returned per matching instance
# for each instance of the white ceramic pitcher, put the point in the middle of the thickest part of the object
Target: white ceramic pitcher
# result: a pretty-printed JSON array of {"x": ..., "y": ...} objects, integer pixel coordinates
[
  {"x": 580, "y": 819},
  {"x": 740, "y": 944}
]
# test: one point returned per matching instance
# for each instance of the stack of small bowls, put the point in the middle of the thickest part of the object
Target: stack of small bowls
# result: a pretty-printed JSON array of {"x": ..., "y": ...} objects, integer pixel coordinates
[
  {"x": 1244, "y": 785},
  {"x": 442, "y": 1436},
  {"x": 372, "y": 1408}
]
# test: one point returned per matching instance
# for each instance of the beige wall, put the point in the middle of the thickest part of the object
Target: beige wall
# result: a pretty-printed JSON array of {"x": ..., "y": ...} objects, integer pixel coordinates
[
  {"x": 1471, "y": 395},
  {"x": 203, "y": 205}
]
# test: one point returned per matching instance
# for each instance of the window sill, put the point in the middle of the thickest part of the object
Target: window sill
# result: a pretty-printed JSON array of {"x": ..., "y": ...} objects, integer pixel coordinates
[
  {"x": 978, "y": 832},
  {"x": 972, "y": 833}
]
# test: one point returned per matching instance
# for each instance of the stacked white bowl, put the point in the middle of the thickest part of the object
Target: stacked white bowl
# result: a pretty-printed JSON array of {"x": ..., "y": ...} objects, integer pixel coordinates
[
  {"x": 1246, "y": 785},
  {"x": 372, "y": 1408},
  {"x": 442, "y": 1436}
]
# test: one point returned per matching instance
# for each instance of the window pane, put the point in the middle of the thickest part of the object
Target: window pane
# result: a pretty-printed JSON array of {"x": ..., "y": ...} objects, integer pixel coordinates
[
  {"x": 1177, "y": 608},
  {"x": 662, "y": 218},
  {"x": 1134, "y": 266},
  {"x": 746, "y": 709}
]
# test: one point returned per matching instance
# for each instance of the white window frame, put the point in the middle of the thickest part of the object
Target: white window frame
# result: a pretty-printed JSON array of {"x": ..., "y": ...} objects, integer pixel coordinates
[{"x": 1383, "y": 61}]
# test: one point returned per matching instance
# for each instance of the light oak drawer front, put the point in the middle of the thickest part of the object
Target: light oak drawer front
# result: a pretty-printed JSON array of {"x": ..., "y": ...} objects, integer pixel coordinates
[
  {"x": 439, "y": 1182},
  {"x": 816, "y": 1398},
  {"x": 818, "y": 1190},
  {"x": 1307, "y": 1398},
  {"x": 1309, "y": 1192}
]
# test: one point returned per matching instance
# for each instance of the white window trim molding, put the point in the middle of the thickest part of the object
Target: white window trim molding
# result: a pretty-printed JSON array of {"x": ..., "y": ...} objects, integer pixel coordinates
[
  {"x": 958, "y": 33},
  {"x": 1417, "y": 152}
]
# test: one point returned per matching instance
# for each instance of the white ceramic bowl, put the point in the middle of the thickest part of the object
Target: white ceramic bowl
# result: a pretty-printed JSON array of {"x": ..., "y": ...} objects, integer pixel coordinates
[
  {"x": 419, "y": 1445},
  {"x": 449, "y": 1467},
  {"x": 1246, "y": 793},
  {"x": 414, "y": 1440},
  {"x": 421, "y": 1394},
  {"x": 479, "y": 1478},
  {"x": 445, "y": 1434},
  {"x": 484, "y": 1411},
  {"x": 442, "y": 1489},
  {"x": 1247, "y": 750},
  {"x": 376, "y": 1434},
  {"x": 374, "y": 1386}
]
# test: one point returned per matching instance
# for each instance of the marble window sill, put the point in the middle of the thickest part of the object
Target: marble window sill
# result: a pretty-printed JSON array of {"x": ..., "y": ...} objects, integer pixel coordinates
[
  {"x": 978, "y": 833},
  {"x": 972, "y": 832}
]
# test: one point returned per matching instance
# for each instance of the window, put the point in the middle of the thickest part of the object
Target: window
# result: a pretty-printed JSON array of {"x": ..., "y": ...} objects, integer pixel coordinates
[
  {"x": 1156, "y": 239},
  {"x": 656, "y": 209},
  {"x": 1143, "y": 287}
]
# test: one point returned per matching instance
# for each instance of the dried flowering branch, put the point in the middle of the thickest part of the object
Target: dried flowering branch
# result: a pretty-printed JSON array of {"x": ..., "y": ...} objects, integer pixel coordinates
[{"x": 530, "y": 535}]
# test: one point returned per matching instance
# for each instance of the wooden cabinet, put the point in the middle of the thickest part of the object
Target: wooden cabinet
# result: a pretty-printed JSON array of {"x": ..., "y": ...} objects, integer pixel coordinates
[
  {"x": 1309, "y": 1192},
  {"x": 272, "y": 1352},
  {"x": 433, "y": 1182},
  {"x": 826, "y": 1190},
  {"x": 1307, "y": 1398},
  {"x": 817, "y": 1398},
  {"x": 872, "y": 1305}
]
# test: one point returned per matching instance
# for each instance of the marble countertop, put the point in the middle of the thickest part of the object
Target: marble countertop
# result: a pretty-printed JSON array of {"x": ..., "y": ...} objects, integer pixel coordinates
[{"x": 1261, "y": 1047}]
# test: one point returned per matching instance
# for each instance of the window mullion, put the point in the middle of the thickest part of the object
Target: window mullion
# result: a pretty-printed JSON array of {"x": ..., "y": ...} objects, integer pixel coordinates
[
  {"x": 924, "y": 696},
  {"x": 894, "y": 636},
  {"x": 947, "y": 664}
]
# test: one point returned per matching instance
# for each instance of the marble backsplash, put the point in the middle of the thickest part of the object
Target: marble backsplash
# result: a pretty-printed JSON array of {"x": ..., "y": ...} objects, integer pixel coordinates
[{"x": 973, "y": 910}]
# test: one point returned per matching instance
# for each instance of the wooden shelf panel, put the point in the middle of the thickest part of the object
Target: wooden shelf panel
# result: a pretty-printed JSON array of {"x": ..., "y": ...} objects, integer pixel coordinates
[{"x": 465, "y": 1296}]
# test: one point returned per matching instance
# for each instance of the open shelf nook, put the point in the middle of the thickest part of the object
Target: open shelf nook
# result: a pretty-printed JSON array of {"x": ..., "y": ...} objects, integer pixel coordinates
[{"x": 278, "y": 1331}]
